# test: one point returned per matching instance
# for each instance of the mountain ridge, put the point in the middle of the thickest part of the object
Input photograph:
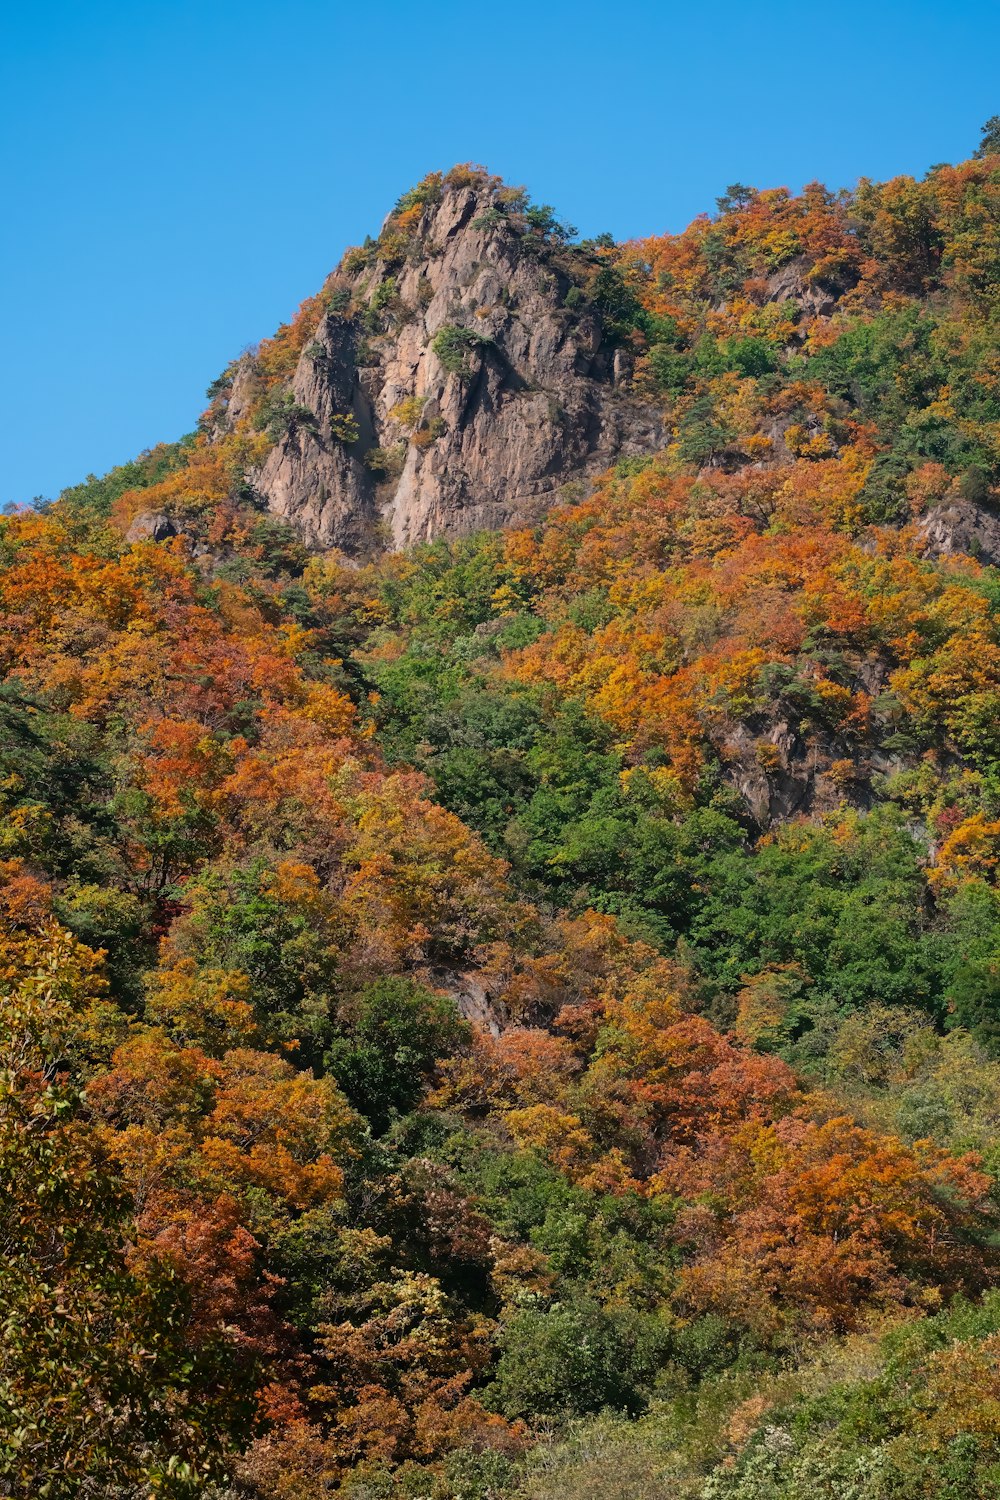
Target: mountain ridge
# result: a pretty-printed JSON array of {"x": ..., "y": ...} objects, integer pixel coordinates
[{"x": 464, "y": 368}]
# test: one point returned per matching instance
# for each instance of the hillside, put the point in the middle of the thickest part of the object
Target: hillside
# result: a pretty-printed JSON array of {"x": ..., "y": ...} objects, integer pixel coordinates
[{"x": 498, "y": 879}]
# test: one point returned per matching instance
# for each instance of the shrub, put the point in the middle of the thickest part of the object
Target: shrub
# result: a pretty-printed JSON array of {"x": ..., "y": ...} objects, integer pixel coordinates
[
  {"x": 339, "y": 299},
  {"x": 424, "y": 436},
  {"x": 541, "y": 217},
  {"x": 344, "y": 428},
  {"x": 454, "y": 346},
  {"x": 426, "y": 191},
  {"x": 490, "y": 218},
  {"x": 356, "y": 259},
  {"x": 751, "y": 356},
  {"x": 386, "y": 462},
  {"x": 280, "y": 413},
  {"x": 975, "y": 485},
  {"x": 407, "y": 412},
  {"x": 385, "y": 294},
  {"x": 577, "y": 1358}
]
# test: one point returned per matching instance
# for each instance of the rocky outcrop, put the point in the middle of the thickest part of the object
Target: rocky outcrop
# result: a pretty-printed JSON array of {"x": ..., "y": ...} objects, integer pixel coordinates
[
  {"x": 784, "y": 767},
  {"x": 959, "y": 525},
  {"x": 151, "y": 525},
  {"x": 473, "y": 392},
  {"x": 792, "y": 283},
  {"x": 474, "y": 998}
]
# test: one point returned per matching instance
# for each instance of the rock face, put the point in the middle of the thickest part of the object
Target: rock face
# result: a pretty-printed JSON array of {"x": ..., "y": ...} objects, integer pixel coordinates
[
  {"x": 151, "y": 525},
  {"x": 475, "y": 392},
  {"x": 960, "y": 525}
]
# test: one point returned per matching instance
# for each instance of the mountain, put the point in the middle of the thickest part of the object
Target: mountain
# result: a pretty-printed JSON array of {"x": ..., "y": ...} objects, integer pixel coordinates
[
  {"x": 804, "y": 363},
  {"x": 499, "y": 895},
  {"x": 473, "y": 363}
]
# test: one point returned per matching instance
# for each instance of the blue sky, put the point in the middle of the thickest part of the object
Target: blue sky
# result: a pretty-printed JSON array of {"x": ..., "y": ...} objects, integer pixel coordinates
[{"x": 177, "y": 177}]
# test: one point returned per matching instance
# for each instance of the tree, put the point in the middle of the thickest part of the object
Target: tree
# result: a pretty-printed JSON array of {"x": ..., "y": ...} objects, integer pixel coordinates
[
  {"x": 736, "y": 196},
  {"x": 394, "y": 1032},
  {"x": 576, "y": 1357},
  {"x": 989, "y": 145},
  {"x": 101, "y": 1385}
]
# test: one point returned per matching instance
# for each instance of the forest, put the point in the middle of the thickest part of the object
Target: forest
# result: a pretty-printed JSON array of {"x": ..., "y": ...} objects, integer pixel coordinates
[{"x": 519, "y": 1018}]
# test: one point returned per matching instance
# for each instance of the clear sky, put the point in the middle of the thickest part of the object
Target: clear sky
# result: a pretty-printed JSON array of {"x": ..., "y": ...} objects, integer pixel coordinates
[{"x": 178, "y": 176}]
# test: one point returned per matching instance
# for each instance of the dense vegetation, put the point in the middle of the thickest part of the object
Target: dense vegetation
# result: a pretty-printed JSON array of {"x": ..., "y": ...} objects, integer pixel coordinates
[{"x": 522, "y": 1018}]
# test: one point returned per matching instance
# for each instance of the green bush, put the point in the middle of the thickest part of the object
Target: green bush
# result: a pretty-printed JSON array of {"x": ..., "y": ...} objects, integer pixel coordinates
[
  {"x": 386, "y": 463},
  {"x": 575, "y": 1358},
  {"x": 280, "y": 413},
  {"x": 344, "y": 428},
  {"x": 454, "y": 347},
  {"x": 392, "y": 1034},
  {"x": 385, "y": 294}
]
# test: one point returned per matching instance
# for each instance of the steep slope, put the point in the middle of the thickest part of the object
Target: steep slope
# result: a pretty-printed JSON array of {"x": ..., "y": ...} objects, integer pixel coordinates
[
  {"x": 542, "y": 984},
  {"x": 452, "y": 383}
]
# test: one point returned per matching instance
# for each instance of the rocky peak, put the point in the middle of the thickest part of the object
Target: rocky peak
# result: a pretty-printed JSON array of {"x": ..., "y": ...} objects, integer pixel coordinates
[{"x": 458, "y": 378}]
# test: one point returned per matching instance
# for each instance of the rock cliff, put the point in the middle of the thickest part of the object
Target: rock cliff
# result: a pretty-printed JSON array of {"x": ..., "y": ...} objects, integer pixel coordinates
[{"x": 458, "y": 378}]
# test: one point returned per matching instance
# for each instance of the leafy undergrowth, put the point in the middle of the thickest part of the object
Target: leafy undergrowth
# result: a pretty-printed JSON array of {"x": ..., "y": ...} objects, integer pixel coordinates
[{"x": 909, "y": 1412}]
